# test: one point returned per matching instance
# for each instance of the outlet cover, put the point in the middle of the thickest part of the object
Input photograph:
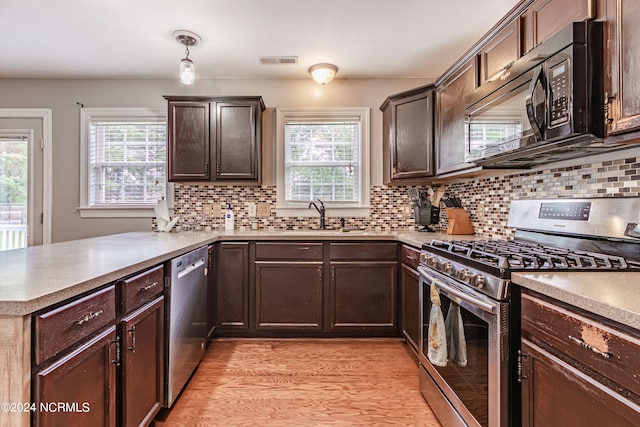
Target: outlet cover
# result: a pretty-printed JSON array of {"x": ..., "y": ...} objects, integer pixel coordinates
[
  {"x": 264, "y": 210},
  {"x": 216, "y": 209},
  {"x": 251, "y": 210}
]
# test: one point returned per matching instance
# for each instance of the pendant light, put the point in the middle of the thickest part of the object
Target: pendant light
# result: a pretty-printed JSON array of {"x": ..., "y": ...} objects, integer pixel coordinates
[
  {"x": 187, "y": 68},
  {"x": 323, "y": 73}
]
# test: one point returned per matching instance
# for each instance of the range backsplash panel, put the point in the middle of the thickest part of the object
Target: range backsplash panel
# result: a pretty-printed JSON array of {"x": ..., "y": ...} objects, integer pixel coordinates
[{"x": 487, "y": 200}]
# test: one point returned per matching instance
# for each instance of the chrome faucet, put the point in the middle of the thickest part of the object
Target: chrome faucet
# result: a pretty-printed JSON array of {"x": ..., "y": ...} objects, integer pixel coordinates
[{"x": 320, "y": 211}]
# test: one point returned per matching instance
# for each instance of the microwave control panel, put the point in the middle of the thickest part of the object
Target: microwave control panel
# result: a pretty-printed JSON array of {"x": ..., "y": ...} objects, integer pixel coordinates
[{"x": 559, "y": 84}]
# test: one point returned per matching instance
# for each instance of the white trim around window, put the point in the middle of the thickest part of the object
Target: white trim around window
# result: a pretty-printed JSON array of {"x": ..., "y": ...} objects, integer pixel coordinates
[
  {"x": 87, "y": 115},
  {"x": 359, "y": 208}
]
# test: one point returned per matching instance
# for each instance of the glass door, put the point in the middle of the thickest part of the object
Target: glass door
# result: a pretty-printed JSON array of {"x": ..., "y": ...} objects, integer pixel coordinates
[{"x": 14, "y": 188}]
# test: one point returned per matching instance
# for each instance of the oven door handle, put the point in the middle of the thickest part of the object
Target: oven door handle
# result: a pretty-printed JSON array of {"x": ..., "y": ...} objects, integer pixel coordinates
[{"x": 487, "y": 306}]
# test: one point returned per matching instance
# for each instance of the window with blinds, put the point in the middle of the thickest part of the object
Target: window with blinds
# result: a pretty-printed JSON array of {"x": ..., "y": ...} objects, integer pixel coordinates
[
  {"x": 126, "y": 161},
  {"x": 322, "y": 161},
  {"x": 322, "y": 153}
]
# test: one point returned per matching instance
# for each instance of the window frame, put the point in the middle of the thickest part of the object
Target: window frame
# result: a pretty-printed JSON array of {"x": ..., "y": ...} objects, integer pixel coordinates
[
  {"x": 362, "y": 207},
  {"x": 87, "y": 115}
]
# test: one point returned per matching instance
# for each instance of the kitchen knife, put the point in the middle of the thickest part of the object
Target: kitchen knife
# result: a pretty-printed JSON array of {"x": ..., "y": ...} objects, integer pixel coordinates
[{"x": 447, "y": 201}]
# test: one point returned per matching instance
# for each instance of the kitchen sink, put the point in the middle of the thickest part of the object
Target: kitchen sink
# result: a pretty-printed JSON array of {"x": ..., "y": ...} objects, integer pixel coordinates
[{"x": 316, "y": 232}]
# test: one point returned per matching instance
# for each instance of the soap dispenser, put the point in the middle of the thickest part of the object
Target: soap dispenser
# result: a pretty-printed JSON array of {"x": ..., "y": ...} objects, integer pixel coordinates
[{"x": 228, "y": 218}]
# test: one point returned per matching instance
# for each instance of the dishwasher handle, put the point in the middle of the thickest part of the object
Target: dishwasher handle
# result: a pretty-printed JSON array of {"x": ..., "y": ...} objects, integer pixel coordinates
[{"x": 194, "y": 266}]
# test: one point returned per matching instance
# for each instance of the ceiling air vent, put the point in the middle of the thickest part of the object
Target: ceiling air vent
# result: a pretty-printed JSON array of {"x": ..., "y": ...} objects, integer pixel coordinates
[{"x": 277, "y": 60}]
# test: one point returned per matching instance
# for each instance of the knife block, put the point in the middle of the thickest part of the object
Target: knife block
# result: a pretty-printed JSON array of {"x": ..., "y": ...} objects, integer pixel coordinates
[{"x": 459, "y": 222}]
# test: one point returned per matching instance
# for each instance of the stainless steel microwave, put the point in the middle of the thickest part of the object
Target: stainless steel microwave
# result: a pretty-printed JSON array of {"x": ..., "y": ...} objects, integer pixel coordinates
[{"x": 545, "y": 107}]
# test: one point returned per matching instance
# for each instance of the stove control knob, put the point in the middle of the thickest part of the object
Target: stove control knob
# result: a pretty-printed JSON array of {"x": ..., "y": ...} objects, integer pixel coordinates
[
  {"x": 465, "y": 275},
  {"x": 432, "y": 261},
  {"x": 447, "y": 267},
  {"x": 477, "y": 281}
]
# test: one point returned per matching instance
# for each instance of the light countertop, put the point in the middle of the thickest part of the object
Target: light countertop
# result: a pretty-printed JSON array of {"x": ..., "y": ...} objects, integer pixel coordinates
[
  {"x": 614, "y": 295},
  {"x": 39, "y": 276}
]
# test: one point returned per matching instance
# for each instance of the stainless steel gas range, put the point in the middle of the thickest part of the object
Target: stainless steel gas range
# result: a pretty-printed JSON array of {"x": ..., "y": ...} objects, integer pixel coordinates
[{"x": 470, "y": 316}]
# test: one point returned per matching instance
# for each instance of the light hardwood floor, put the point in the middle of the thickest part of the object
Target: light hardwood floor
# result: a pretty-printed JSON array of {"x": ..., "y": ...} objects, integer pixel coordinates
[{"x": 303, "y": 382}]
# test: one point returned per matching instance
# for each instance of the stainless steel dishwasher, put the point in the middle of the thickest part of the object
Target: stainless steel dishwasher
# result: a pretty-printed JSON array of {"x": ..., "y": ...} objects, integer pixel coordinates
[{"x": 186, "y": 299}]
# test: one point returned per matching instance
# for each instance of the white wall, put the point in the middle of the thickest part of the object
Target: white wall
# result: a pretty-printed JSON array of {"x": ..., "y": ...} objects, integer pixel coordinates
[{"x": 62, "y": 96}]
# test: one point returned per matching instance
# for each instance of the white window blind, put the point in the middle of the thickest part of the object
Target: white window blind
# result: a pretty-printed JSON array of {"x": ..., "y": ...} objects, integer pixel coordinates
[
  {"x": 322, "y": 161},
  {"x": 483, "y": 134},
  {"x": 126, "y": 161}
]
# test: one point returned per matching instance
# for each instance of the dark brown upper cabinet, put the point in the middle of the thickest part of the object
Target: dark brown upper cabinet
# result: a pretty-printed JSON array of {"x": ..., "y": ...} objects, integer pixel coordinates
[
  {"x": 501, "y": 52},
  {"x": 214, "y": 138},
  {"x": 408, "y": 136},
  {"x": 544, "y": 18},
  {"x": 188, "y": 141},
  {"x": 451, "y": 94},
  {"x": 622, "y": 41}
]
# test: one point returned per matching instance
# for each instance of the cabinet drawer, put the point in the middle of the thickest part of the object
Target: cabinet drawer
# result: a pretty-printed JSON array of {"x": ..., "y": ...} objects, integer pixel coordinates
[
  {"x": 284, "y": 251},
  {"x": 610, "y": 352},
  {"x": 141, "y": 288},
  {"x": 361, "y": 251},
  {"x": 410, "y": 256},
  {"x": 64, "y": 326}
]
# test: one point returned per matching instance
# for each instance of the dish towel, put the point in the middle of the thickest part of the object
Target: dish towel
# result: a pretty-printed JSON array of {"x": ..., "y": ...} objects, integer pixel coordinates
[
  {"x": 456, "y": 343},
  {"x": 437, "y": 352}
]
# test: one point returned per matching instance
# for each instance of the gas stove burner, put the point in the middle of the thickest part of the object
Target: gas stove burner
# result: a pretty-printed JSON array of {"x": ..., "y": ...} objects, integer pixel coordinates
[{"x": 515, "y": 255}]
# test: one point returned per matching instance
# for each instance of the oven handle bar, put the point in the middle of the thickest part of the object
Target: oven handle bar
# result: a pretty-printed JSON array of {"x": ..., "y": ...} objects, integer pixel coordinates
[{"x": 486, "y": 306}]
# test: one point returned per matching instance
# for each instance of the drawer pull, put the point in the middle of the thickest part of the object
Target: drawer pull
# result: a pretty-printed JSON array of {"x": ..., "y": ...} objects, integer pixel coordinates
[
  {"x": 88, "y": 316},
  {"x": 411, "y": 258},
  {"x": 581, "y": 342},
  {"x": 146, "y": 288}
]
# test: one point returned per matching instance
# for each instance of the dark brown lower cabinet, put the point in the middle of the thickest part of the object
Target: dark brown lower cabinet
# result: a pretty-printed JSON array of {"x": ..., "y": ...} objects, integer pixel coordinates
[
  {"x": 79, "y": 389},
  {"x": 288, "y": 295},
  {"x": 555, "y": 393},
  {"x": 363, "y": 295},
  {"x": 577, "y": 368},
  {"x": 143, "y": 363},
  {"x": 232, "y": 286},
  {"x": 410, "y": 307}
]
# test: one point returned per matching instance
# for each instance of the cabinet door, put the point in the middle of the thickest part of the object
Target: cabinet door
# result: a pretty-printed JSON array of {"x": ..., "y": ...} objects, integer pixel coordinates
[
  {"x": 143, "y": 364},
  {"x": 502, "y": 51},
  {"x": 544, "y": 18},
  {"x": 623, "y": 70},
  {"x": 188, "y": 141},
  {"x": 411, "y": 142},
  {"x": 84, "y": 382},
  {"x": 237, "y": 135},
  {"x": 288, "y": 295},
  {"x": 554, "y": 393},
  {"x": 363, "y": 296},
  {"x": 410, "y": 315},
  {"x": 451, "y": 127},
  {"x": 232, "y": 302}
]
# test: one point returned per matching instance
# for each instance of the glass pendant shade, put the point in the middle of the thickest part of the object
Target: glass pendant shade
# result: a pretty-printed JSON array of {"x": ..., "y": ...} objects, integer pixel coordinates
[
  {"x": 323, "y": 73},
  {"x": 187, "y": 72}
]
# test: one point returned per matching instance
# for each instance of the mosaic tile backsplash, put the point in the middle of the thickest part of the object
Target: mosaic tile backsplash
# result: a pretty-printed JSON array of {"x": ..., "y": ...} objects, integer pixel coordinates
[{"x": 486, "y": 200}]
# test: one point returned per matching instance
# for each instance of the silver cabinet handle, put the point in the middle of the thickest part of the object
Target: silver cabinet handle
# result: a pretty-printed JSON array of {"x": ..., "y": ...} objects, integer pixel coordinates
[
  {"x": 146, "y": 288},
  {"x": 132, "y": 333},
  {"x": 581, "y": 343},
  {"x": 89, "y": 316}
]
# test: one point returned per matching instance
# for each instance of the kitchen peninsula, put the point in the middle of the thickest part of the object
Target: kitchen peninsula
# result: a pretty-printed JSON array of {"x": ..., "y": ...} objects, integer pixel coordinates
[{"x": 38, "y": 277}]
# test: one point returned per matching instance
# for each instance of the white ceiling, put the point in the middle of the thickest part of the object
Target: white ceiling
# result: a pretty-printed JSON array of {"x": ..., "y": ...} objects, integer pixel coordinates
[{"x": 133, "y": 38}]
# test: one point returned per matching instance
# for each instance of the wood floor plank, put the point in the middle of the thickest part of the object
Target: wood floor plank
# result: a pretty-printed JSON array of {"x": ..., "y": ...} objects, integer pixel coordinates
[{"x": 303, "y": 382}]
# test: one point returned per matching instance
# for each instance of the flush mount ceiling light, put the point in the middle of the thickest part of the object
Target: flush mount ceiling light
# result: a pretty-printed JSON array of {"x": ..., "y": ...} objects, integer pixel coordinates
[
  {"x": 187, "y": 68},
  {"x": 323, "y": 73}
]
